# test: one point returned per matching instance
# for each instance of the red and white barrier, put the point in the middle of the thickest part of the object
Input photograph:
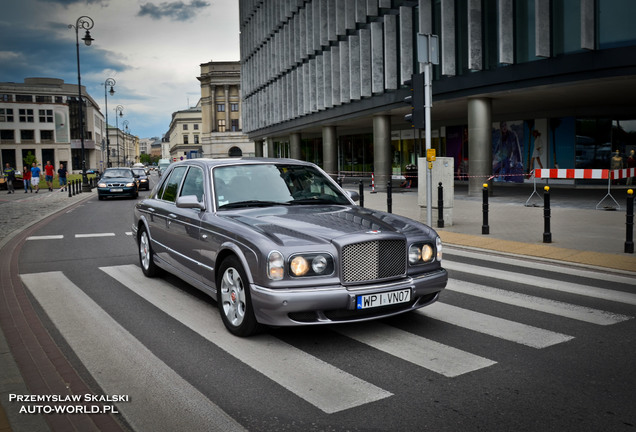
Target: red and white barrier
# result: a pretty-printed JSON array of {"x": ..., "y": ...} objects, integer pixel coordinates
[
  {"x": 372, "y": 183},
  {"x": 601, "y": 174}
]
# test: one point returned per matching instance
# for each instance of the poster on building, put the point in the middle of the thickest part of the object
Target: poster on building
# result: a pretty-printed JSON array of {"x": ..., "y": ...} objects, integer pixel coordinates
[{"x": 507, "y": 151}]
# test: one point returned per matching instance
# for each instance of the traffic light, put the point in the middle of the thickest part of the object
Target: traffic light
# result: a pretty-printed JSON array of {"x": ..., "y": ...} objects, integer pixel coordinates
[{"x": 416, "y": 101}]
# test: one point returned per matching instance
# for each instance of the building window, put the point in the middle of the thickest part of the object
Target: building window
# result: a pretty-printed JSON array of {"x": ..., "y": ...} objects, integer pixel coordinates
[
  {"x": 59, "y": 99},
  {"x": 27, "y": 135},
  {"x": 7, "y": 135},
  {"x": 196, "y": 126},
  {"x": 6, "y": 115},
  {"x": 43, "y": 99},
  {"x": 234, "y": 107},
  {"x": 186, "y": 140},
  {"x": 23, "y": 98},
  {"x": 196, "y": 139},
  {"x": 6, "y": 98},
  {"x": 185, "y": 127},
  {"x": 46, "y": 116},
  {"x": 235, "y": 125},
  {"x": 26, "y": 115},
  {"x": 220, "y": 107},
  {"x": 221, "y": 126},
  {"x": 46, "y": 136}
]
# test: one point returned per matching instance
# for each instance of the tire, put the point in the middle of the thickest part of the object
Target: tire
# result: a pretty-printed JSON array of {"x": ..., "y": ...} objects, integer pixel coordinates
[
  {"x": 146, "y": 254},
  {"x": 234, "y": 299}
]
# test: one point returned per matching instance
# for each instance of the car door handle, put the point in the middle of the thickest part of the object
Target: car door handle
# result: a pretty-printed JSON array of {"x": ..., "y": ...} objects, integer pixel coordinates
[
  {"x": 172, "y": 215},
  {"x": 151, "y": 210}
]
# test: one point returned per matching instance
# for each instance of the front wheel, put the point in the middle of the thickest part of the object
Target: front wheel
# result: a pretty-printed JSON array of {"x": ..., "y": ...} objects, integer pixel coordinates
[
  {"x": 148, "y": 266},
  {"x": 234, "y": 299}
]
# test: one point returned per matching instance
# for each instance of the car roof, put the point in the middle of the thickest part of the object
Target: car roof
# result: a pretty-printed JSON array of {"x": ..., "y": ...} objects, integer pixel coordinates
[{"x": 240, "y": 161}]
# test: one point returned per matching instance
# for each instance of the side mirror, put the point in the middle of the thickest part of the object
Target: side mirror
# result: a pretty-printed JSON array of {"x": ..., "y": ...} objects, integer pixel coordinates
[
  {"x": 189, "y": 201},
  {"x": 355, "y": 196}
]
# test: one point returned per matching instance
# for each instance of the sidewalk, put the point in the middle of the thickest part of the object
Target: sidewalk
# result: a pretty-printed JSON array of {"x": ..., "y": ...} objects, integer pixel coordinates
[{"x": 580, "y": 233}]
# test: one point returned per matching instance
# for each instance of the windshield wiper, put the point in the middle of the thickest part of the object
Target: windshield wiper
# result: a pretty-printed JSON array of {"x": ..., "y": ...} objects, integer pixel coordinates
[
  {"x": 252, "y": 203},
  {"x": 315, "y": 200}
]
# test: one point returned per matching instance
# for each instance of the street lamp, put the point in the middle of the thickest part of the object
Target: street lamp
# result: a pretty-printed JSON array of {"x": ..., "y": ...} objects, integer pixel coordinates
[
  {"x": 118, "y": 110},
  {"x": 85, "y": 23},
  {"x": 109, "y": 82},
  {"x": 125, "y": 139}
]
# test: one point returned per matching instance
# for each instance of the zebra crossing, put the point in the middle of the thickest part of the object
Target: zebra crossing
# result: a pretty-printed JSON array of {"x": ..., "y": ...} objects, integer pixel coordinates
[{"x": 302, "y": 374}]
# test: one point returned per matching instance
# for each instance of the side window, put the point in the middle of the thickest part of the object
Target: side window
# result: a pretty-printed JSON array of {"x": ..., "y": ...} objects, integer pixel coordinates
[
  {"x": 171, "y": 186},
  {"x": 193, "y": 183}
]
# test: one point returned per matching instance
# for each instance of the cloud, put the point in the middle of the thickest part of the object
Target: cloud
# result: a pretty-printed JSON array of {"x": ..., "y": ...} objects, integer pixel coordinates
[{"x": 176, "y": 11}]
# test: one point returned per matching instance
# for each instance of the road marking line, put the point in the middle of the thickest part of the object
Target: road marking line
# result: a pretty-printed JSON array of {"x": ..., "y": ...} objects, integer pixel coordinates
[
  {"x": 540, "y": 304},
  {"x": 46, "y": 237},
  {"x": 431, "y": 355},
  {"x": 122, "y": 365},
  {"x": 498, "y": 327},
  {"x": 94, "y": 235},
  {"x": 326, "y": 387},
  {"x": 540, "y": 282}
]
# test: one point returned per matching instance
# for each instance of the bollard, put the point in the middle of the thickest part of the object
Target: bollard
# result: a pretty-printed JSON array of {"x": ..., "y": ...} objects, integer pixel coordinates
[
  {"x": 547, "y": 235},
  {"x": 629, "y": 223},
  {"x": 74, "y": 187},
  {"x": 361, "y": 189},
  {"x": 68, "y": 188},
  {"x": 440, "y": 206},
  {"x": 389, "y": 197},
  {"x": 485, "y": 229}
]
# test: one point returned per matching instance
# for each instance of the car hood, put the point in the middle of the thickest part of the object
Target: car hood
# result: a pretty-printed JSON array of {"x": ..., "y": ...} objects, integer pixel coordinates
[
  {"x": 117, "y": 179},
  {"x": 304, "y": 225}
]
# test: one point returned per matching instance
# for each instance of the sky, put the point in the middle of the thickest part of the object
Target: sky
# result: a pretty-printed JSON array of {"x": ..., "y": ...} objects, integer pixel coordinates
[{"x": 153, "y": 49}]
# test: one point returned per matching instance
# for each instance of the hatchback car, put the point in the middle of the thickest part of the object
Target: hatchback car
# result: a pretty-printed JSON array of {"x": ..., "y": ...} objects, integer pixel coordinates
[
  {"x": 142, "y": 178},
  {"x": 116, "y": 182},
  {"x": 277, "y": 242}
]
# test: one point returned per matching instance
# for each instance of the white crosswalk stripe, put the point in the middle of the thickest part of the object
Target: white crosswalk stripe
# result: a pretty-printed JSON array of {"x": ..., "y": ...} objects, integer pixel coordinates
[{"x": 307, "y": 376}]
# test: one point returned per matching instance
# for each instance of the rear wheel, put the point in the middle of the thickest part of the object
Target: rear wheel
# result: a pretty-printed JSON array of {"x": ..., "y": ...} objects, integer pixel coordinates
[
  {"x": 234, "y": 299},
  {"x": 148, "y": 266}
]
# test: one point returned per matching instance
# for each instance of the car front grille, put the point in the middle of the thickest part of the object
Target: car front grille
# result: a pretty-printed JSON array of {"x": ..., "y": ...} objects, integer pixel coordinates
[
  {"x": 373, "y": 260},
  {"x": 116, "y": 184}
]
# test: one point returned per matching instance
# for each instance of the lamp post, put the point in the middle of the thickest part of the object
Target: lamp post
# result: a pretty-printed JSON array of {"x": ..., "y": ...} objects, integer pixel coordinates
[
  {"x": 125, "y": 139},
  {"x": 118, "y": 110},
  {"x": 85, "y": 23},
  {"x": 109, "y": 82}
]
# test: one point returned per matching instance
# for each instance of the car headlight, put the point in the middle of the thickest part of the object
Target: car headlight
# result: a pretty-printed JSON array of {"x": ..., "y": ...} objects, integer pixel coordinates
[
  {"x": 275, "y": 265},
  {"x": 314, "y": 264},
  {"x": 130, "y": 184},
  {"x": 102, "y": 185},
  {"x": 421, "y": 253}
]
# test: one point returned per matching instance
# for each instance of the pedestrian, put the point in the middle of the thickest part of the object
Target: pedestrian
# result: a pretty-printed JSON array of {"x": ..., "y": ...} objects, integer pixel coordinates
[
  {"x": 35, "y": 176},
  {"x": 61, "y": 175},
  {"x": 26, "y": 179},
  {"x": 9, "y": 174},
  {"x": 49, "y": 172}
]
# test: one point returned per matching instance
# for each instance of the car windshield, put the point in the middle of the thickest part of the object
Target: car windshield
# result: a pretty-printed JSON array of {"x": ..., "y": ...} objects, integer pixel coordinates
[
  {"x": 255, "y": 185},
  {"x": 139, "y": 171},
  {"x": 111, "y": 173}
]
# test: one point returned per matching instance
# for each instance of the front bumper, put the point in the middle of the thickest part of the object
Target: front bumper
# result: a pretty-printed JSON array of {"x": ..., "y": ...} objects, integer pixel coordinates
[
  {"x": 337, "y": 304},
  {"x": 111, "y": 192}
]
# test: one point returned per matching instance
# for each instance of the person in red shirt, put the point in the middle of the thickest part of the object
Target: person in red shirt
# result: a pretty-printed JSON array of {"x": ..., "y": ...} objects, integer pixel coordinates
[
  {"x": 49, "y": 172},
  {"x": 26, "y": 179}
]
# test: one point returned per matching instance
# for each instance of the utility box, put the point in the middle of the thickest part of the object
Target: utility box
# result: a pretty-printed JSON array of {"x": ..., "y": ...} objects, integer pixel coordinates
[{"x": 442, "y": 171}]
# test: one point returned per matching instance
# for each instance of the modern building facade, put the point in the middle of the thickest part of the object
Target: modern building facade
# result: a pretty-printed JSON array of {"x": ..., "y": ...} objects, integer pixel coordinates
[
  {"x": 520, "y": 83},
  {"x": 221, "y": 108},
  {"x": 39, "y": 120}
]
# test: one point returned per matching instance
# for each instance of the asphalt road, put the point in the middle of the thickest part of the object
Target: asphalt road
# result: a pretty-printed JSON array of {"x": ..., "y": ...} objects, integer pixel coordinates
[{"x": 514, "y": 344}]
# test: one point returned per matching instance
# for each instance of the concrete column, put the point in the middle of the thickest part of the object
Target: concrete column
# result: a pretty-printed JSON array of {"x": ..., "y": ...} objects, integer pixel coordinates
[
  {"x": 228, "y": 127},
  {"x": 294, "y": 146},
  {"x": 258, "y": 148},
  {"x": 270, "y": 148},
  {"x": 213, "y": 108},
  {"x": 329, "y": 150},
  {"x": 382, "y": 151},
  {"x": 479, "y": 144}
]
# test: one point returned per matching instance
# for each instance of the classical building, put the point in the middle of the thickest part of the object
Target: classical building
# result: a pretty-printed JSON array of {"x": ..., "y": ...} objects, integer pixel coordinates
[
  {"x": 184, "y": 134},
  {"x": 221, "y": 134},
  {"x": 40, "y": 118},
  {"x": 325, "y": 80}
]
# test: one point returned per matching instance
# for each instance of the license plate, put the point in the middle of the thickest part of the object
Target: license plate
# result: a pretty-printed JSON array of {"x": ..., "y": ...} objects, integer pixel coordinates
[
  {"x": 383, "y": 299},
  {"x": 117, "y": 190}
]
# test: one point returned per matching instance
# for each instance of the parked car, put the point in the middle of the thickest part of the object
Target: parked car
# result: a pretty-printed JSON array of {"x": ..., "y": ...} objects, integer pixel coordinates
[
  {"x": 116, "y": 182},
  {"x": 142, "y": 178},
  {"x": 277, "y": 242}
]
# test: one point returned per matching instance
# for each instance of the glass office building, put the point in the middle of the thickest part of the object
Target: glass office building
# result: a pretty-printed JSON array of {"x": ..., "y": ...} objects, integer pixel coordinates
[{"x": 520, "y": 84}]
